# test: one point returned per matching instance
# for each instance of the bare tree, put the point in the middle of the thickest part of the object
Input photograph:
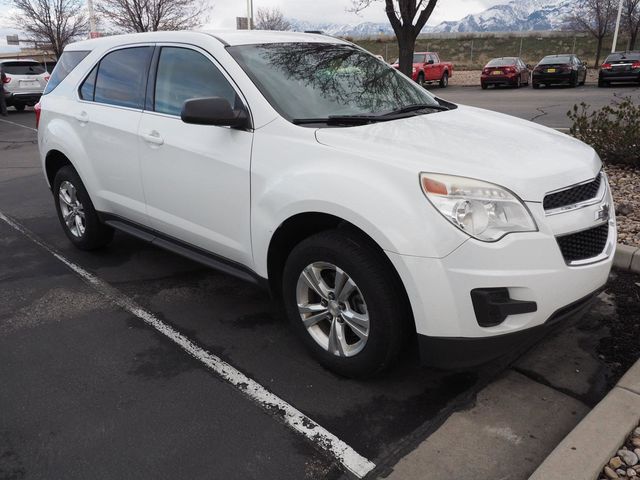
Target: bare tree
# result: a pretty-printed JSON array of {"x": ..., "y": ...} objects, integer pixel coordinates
[
  {"x": 596, "y": 17},
  {"x": 271, "y": 19},
  {"x": 153, "y": 15},
  {"x": 632, "y": 21},
  {"x": 55, "y": 22},
  {"x": 407, "y": 17}
]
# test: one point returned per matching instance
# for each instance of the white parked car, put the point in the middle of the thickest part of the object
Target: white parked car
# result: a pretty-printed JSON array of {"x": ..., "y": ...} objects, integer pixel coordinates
[
  {"x": 25, "y": 80},
  {"x": 377, "y": 212}
]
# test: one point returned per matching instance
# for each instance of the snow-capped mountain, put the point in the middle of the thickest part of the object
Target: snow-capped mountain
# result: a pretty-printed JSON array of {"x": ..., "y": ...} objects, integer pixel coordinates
[
  {"x": 517, "y": 15},
  {"x": 514, "y": 16}
]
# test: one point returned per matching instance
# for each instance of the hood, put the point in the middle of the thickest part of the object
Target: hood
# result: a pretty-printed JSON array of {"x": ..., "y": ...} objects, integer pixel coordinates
[{"x": 527, "y": 158}]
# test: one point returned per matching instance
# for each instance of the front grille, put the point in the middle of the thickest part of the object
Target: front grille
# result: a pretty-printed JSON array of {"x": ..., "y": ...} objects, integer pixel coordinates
[
  {"x": 573, "y": 195},
  {"x": 583, "y": 245}
]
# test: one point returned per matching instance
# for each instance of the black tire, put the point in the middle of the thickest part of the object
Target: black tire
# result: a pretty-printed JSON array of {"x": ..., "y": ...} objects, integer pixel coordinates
[
  {"x": 484, "y": 86},
  {"x": 96, "y": 234},
  {"x": 420, "y": 80},
  {"x": 574, "y": 82},
  {"x": 535, "y": 85},
  {"x": 602, "y": 84},
  {"x": 519, "y": 82},
  {"x": 386, "y": 303},
  {"x": 19, "y": 107},
  {"x": 444, "y": 81}
]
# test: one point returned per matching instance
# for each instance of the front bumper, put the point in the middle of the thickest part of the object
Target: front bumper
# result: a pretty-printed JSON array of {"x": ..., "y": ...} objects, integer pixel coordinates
[{"x": 529, "y": 265}]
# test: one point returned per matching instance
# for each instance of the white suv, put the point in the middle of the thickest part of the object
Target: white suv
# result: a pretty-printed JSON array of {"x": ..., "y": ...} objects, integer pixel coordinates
[
  {"x": 25, "y": 80},
  {"x": 377, "y": 212}
]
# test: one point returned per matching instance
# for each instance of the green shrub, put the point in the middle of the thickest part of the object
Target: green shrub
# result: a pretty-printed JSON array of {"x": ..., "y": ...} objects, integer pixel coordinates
[{"x": 613, "y": 131}]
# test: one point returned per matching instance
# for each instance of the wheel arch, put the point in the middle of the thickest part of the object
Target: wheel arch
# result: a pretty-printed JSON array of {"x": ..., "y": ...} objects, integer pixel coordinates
[
  {"x": 300, "y": 226},
  {"x": 54, "y": 161}
]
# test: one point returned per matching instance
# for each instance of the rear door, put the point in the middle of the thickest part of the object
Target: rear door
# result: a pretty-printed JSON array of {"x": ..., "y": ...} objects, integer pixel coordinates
[
  {"x": 196, "y": 177},
  {"x": 107, "y": 117}
]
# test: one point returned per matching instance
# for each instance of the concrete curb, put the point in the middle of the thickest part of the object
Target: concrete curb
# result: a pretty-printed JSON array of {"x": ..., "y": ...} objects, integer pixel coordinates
[
  {"x": 590, "y": 445},
  {"x": 627, "y": 258}
]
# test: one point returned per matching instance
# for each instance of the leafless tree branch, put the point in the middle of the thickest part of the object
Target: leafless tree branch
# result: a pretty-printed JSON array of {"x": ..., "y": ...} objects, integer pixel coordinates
[
  {"x": 271, "y": 19},
  {"x": 153, "y": 15}
]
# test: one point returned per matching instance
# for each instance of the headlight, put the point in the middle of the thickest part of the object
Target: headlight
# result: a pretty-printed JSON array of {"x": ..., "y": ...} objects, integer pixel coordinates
[{"x": 483, "y": 210}]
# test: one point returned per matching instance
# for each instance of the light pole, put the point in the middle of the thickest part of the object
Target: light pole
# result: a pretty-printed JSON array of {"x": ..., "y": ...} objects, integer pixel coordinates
[
  {"x": 249, "y": 14},
  {"x": 92, "y": 20},
  {"x": 615, "y": 34}
]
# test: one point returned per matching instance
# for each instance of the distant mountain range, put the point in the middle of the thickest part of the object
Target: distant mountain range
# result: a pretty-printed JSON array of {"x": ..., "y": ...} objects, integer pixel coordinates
[{"x": 515, "y": 16}]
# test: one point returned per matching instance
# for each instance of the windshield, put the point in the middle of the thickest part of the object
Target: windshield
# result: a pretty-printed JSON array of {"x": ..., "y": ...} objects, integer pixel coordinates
[
  {"x": 554, "y": 60},
  {"x": 501, "y": 62},
  {"x": 23, "y": 68},
  {"x": 318, "y": 80},
  {"x": 617, "y": 57},
  {"x": 419, "y": 58}
]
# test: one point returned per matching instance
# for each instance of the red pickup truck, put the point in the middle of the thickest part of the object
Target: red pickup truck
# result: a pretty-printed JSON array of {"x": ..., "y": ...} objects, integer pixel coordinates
[{"x": 428, "y": 68}]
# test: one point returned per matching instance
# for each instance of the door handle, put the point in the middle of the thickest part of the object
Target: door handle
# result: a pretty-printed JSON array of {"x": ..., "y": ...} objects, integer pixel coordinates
[
  {"x": 82, "y": 117},
  {"x": 152, "y": 137}
]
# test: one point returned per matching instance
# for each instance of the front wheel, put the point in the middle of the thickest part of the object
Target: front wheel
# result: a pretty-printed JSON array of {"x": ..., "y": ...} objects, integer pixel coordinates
[
  {"x": 76, "y": 213},
  {"x": 345, "y": 302},
  {"x": 444, "y": 81}
]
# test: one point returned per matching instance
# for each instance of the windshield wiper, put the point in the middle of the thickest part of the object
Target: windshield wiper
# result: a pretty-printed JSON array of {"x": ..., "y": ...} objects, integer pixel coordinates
[
  {"x": 416, "y": 108},
  {"x": 341, "y": 120}
]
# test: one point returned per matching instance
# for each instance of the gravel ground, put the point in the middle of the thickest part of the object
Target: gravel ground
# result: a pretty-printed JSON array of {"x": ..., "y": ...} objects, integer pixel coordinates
[
  {"x": 625, "y": 185},
  {"x": 626, "y": 463},
  {"x": 470, "y": 78},
  {"x": 621, "y": 348}
]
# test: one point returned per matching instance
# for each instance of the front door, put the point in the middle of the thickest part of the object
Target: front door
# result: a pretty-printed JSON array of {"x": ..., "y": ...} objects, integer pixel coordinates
[{"x": 195, "y": 177}]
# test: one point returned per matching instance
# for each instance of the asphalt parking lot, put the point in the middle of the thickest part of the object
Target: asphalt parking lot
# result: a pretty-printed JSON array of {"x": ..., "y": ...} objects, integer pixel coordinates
[
  {"x": 89, "y": 389},
  {"x": 547, "y": 106}
]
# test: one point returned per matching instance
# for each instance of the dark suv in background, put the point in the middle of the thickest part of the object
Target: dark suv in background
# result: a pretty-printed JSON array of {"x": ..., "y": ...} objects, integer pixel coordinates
[
  {"x": 620, "y": 67},
  {"x": 559, "y": 70}
]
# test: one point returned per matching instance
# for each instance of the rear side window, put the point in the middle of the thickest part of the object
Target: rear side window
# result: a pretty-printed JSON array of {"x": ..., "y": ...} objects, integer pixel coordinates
[
  {"x": 184, "y": 74},
  {"x": 22, "y": 68},
  {"x": 67, "y": 62},
  {"x": 121, "y": 77}
]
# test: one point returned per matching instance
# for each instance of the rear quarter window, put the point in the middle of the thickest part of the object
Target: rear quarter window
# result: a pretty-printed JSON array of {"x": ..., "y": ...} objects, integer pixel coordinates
[{"x": 65, "y": 65}]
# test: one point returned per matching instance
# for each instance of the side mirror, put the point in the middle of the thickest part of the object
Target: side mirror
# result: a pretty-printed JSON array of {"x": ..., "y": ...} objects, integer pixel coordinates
[
  {"x": 430, "y": 62},
  {"x": 213, "y": 111},
  {"x": 529, "y": 66}
]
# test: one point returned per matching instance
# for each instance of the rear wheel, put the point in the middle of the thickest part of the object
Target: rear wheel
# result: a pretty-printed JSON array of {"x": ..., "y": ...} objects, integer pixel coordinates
[
  {"x": 602, "y": 83},
  {"x": 420, "y": 79},
  {"x": 444, "y": 81},
  {"x": 519, "y": 82},
  {"x": 76, "y": 213},
  {"x": 19, "y": 107},
  {"x": 484, "y": 86},
  {"x": 535, "y": 85},
  {"x": 345, "y": 303},
  {"x": 574, "y": 82}
]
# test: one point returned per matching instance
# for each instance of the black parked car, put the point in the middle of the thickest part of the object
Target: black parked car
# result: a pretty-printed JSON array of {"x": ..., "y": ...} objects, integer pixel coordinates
[
  {"x": 559, "y": 70},
  {"x": 620, "y": 67}
]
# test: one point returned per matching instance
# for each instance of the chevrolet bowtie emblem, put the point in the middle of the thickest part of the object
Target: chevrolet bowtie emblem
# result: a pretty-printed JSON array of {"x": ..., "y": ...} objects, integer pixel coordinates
[{"x": 603, "y": 214}]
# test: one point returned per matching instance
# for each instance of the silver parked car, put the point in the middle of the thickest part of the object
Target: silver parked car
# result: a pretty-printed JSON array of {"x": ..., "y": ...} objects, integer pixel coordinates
[{"x": 24, "y": 83}]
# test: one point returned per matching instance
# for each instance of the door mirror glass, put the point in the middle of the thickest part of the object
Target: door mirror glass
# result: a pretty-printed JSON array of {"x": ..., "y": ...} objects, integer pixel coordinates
[{"x": 213, "y": 111}]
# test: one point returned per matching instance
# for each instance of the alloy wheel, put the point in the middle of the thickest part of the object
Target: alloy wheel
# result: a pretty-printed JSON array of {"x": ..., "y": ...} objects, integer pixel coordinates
[
  {"x": 72, "y": 209},
  {"x": 332, "y": 309}
]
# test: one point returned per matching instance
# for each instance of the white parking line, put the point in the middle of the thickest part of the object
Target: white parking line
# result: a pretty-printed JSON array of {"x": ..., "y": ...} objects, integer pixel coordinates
[
  {"x": 18, "y": 124},
  {"x": 292, "y": 417}
]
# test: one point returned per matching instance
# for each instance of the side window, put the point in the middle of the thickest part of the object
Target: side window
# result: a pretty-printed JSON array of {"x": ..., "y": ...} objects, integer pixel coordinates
[
  {"x": 87, "y": 89},
  {"x": 122, "y": 77},
  {"x": 184, "y": 74}
]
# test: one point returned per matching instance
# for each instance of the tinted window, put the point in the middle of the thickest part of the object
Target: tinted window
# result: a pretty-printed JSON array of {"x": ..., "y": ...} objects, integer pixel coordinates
[
  {"x": 554, "y": 60},
  {"x": 66, "y": 63},
  {"x": 419, "y": 58},
  {"x": 501, "y": 62},
  {"x": 184, "y": 74},
  {"x": 89, "y": 85},
  {"x": 22, "y": 68},
  {"x": 122, "y": 77},
  {"x": 618, "y": 57}
]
